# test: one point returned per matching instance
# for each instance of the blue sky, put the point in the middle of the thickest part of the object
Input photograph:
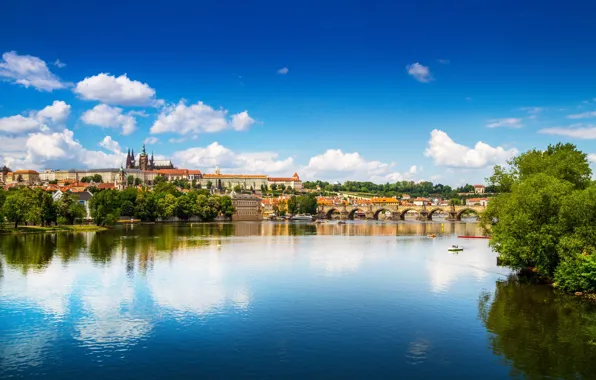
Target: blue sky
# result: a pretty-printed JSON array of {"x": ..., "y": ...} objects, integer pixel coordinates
[{"x": 342, "y": 90}]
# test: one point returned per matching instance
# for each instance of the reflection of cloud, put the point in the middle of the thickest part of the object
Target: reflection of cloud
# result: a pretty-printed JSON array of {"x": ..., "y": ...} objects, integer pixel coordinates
[
  {"x": 109, "y": 319},
  {"x": 194, "y": 282},
  {"x": 48, "y": 289},
  {"x": 337, "y": 261},
  {"x": 418, "y": 351},
  {"x": 447, "y": 268},
  {"x": 26, "y": 348}
]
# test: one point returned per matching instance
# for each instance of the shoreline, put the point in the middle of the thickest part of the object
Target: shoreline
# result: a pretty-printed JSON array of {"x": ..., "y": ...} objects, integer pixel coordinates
[{"x": 24, "y": 230}]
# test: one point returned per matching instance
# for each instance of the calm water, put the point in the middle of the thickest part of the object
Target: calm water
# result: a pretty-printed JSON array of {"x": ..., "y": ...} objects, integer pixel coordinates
[{"x": 280, "y": 301}]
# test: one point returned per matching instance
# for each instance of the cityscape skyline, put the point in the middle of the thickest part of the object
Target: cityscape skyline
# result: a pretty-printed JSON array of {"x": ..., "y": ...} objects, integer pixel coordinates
[{"x": 367, "y": 92}]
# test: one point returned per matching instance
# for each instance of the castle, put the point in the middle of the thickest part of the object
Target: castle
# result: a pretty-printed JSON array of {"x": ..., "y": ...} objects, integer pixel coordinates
[{"x": 145, "y": 163}]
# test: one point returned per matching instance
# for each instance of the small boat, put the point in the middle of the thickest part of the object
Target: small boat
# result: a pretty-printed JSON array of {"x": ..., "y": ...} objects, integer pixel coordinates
[
  {"x": 341, "y": 222},
  {"x": 431, "y": 236},
  {"x": 455, "y": 248},
  {"x": 302, "y": 217},
  {"x": 320, "y": 221}
]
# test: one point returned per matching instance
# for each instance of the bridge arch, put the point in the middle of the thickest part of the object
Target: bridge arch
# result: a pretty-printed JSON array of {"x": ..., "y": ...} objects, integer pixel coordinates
[
  {"x": 353, "y": 212},
  {"x": 329, "y": 213},
  {"x": 378, "y": 211},
  {"x": 462, "y": 211},
  {"x": 433, "y": 211},
  {"x": 404, "y": 212}
]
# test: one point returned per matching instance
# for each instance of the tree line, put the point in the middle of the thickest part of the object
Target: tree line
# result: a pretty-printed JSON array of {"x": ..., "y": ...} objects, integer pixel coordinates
[
  {"x": 414, "y": 189},
  {"x": 36, "y": 206},
  {"x": 544, "y": 218},
  {"x": 301, "y": 204}
]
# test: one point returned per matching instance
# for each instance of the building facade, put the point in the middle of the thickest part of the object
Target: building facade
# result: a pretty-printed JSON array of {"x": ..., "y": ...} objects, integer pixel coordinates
[
  {"x": 146, "y": 163},
  {"x": 292, "y": 182},
  {"x": 247, "y": 207}
]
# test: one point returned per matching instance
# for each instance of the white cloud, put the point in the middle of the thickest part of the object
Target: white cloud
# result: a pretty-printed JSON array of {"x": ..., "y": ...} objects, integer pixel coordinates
[
  {"x": 59, "y": 150},
  {"x": 232, "y": 162},
  {"x": 113, "y": 90},
  {"x": 28, "y": 71},
  {"x": 444, "y": 61},
  {"x": 151, "y": 140},
  {"x": 59, "y": 64},
  {"x": 110, "y": 144},
  {"x": 511, "y": 122},
  {"x": 592, "y": 157},
  {"x": 283, "y": 71},
  {"x": 51, "y": 116},
  {"x": 18, "y": 125},
  {"x": 198, "y": 118},
  {"x": 532, "y": 110},
  {"x": 57, "y": 113},
  {"x": 241, "y": 121},
  {"x": 584, "y": 115},
  {"x": 335, "y": 165},
  {"x": 177, "y": 141},
  {"x": 105, "y": 116},
  {"x": 420, "y": 72},
  {"x": 446, "y": 152},
  {"x": 586, "y": 133}
]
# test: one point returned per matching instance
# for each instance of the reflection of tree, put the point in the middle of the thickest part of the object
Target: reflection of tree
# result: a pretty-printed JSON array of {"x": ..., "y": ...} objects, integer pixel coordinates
[
  {"x": 102, "y": 246},
  {"x": 69, "y": 246},
  {"x": 543, "y": 333},
  {"x": 28, "y": 251}
]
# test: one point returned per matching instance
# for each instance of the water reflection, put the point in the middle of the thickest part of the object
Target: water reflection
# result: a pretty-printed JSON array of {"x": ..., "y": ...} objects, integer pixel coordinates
[
  {"x": 540, "y": 332},
  {"x": 270, "y": 298}
]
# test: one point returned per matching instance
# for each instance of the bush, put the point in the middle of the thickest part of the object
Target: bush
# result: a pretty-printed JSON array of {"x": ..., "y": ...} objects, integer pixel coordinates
[{"x": 577, "y": 273}]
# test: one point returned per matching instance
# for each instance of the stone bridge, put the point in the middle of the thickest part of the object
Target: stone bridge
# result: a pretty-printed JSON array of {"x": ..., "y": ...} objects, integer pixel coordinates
[{"x": 397, "y": 212}]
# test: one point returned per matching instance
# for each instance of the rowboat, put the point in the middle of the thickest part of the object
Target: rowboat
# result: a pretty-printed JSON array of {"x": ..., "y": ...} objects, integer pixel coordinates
[{"x": 455, "y": 248}]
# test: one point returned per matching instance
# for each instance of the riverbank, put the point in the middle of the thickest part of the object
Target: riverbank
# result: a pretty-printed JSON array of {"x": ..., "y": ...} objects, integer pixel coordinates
[{"x": 37, "y": 229}]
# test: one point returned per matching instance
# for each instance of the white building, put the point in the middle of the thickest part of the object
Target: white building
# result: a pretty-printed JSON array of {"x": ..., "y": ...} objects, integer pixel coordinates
[{"x": 477, "y": 202}]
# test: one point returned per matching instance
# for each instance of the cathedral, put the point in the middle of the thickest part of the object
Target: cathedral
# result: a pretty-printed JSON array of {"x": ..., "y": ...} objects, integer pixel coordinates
[{"x": 145, "y": 163}]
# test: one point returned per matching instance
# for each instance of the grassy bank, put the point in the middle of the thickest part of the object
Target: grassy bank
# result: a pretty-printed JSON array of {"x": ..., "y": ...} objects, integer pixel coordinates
[{"x": 36, "y": 229}]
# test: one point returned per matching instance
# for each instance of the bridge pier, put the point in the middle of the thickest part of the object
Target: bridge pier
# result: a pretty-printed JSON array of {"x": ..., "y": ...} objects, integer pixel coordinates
[
  {"x": 453, "y": 217},
  {"x": 424, "y": 216},
  {"x": 369, "y": 215}
]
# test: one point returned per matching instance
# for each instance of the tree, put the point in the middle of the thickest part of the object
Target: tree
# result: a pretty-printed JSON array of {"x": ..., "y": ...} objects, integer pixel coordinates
[
  {"x": 237, "y": 188},
  {"x": 307, "y": 204},
  {"x": 103, "y": 207},
  {"x": 163, "y": 188},
  {"x": 159, "y": 179},
  {"x": 225, "y": 206},
  {"x": 127, "y": 208},
  {"x": 273, "y": 187},
  {"x": 68, "y": 209},
  {"x": 130, "y": 180},
  {"x": 146, "y": 206},
  {"x": 97, "y": 178},
  {"x": 184, "y": 208},
  {"x": 282, "y": 187},
  {"x": 207, "y": 208},
  {"x": 209, "y": 185},
  {"x": 138, "y": 181},
  {"x": 15, "y": 207},
  {"x": 166, "y": 206},
  {"x": 292, "y": 205}
]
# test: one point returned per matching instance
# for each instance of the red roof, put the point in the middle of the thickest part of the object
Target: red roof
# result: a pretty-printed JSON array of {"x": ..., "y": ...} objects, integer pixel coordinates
[
  {"x": 477, "y": 186},
  {"x": 104, "y": 186}
]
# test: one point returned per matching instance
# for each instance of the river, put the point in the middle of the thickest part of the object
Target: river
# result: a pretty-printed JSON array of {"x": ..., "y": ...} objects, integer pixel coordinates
[{"x": 281, "y": 301}]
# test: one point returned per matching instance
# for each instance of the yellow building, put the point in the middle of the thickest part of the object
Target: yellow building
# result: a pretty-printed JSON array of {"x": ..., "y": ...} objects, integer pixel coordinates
[
  {"x": 229, "y": 181},
  {"x": 25, "y": 177},
  {"x": 292, "y": 182}
]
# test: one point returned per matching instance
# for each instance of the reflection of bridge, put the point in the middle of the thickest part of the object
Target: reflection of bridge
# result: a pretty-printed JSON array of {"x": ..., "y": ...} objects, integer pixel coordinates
[{"x": 397, "y": 212}]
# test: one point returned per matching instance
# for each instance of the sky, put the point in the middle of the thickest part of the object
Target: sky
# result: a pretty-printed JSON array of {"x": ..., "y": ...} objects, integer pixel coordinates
[{"x": 334, "y": 90}]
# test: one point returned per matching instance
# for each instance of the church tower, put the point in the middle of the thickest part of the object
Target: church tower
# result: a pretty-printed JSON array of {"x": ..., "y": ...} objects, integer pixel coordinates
[{"x": 144, "y": 160}]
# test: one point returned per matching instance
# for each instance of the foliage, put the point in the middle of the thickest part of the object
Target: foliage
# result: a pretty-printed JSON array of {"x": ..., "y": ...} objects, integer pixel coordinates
[
  {"x": 159, "y": 179},
  {"x": 544, "y": 218},
  {"x": 94, "y": 178},
  {"x": 414, "y": 189},
  {"x": 146, "y": 206},
  {"x": 103, "y": 207},
  {"x": 138, "y": 181},
  {"x": 292, "y": 205},
  {"x": 225, "y": 206},
  {"x": 69, "y": 210},
  {"x": 307, "y": 204},
  {"x": 577, "y": 273},
  {"x": 130, "y": 180},
  {"x": 166, "y": 206},
  {"x": 29, "y": 206}
]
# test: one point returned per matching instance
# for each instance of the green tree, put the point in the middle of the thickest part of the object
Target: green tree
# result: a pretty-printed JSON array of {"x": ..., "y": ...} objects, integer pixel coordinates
[
  {"x": 127, "y": 208},
  {"x": 146, "y": 206},
  {"x": 163, "y": 188},
  {"x": 209, "y": 185},
  {"x": 166, "y": 206},
  {"x": 237, "y": 188},
  {"x": 206, "y": 208},
  {"x": 225, "y": 206},
  {"x": 97, "y": 178},
  {"x": 69, "y": 209},
  {"x": 292, "y": 205},
  {"x": 15, "y": 207},
  {"x": 184, "y": 207},
  {"x": 273, "y": 187},
  {"x": 159, "y": 179},
  {"x": 130, "y": 180},
  {"x": 307, "y": 204},
  {"x": 138, "y": 181},
  {"x": 103, "y": 207}
]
